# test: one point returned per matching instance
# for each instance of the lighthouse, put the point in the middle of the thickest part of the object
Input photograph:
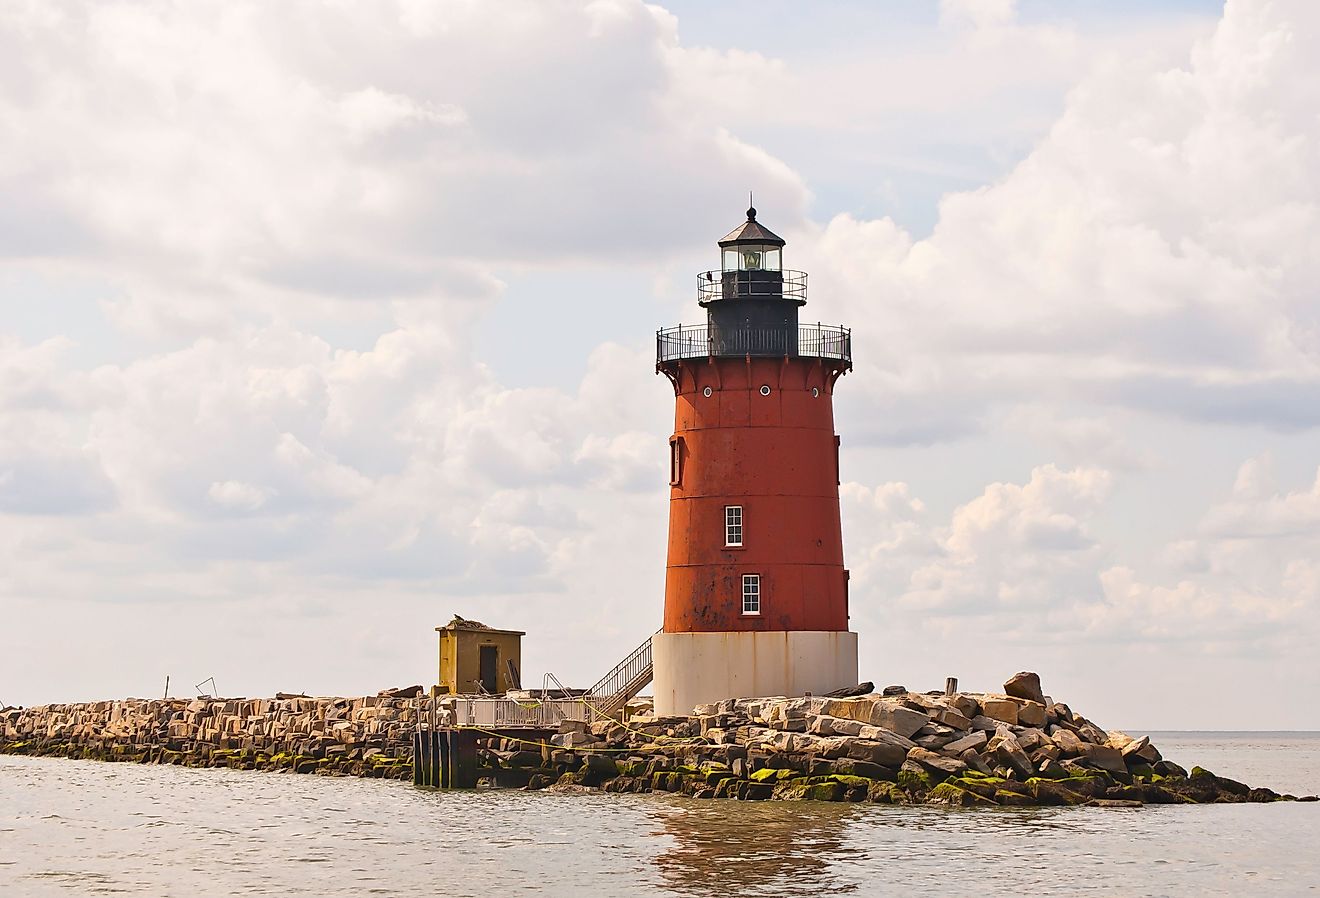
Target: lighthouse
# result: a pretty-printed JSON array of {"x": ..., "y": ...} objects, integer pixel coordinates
[{"x": 756, "y": 593}]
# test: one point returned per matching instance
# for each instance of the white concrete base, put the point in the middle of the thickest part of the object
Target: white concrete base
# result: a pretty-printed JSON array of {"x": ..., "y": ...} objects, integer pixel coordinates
[{"x": 697, "y": 668}]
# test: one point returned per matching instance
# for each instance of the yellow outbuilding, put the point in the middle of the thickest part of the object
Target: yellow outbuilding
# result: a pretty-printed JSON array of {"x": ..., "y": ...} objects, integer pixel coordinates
[{"x": 477, "y": 659}]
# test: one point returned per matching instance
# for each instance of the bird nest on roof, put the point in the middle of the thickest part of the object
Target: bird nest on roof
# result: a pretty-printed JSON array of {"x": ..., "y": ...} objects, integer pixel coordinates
[{"x": 462, "y": 623}]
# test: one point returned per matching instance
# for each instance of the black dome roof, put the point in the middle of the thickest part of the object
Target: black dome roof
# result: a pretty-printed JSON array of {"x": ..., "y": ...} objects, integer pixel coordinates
[{"x": 751, "y": 231}]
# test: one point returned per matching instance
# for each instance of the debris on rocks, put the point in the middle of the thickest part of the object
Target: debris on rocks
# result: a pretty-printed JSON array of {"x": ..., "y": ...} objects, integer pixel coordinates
[
  {"x": 404, "y": 692},
  {"x": 850, "y": 691}
]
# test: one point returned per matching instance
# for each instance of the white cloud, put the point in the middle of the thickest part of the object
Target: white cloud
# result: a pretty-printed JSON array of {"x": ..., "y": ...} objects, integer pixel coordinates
[
  {"x": 1257, "y": 512},
  {"x": 236, "y": 494},
  {"x": 1022, "y": 560},
  {"x": 370, "y": 112},
  {"x": 295, "y": 219},
  {"x": 241, "y": 150},
  {"x": 1138, "y": 258},
  {"x": 978, "y": 13},
  {"x": 1017, "y": 548}
]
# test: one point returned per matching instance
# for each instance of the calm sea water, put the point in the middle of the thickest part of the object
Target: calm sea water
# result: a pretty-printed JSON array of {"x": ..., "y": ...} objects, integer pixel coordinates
[{"x": 88, "y": 828}]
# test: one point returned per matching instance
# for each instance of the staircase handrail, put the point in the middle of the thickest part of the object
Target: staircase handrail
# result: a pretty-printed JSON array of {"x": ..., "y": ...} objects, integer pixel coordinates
[{"x": 618, "y": 679}]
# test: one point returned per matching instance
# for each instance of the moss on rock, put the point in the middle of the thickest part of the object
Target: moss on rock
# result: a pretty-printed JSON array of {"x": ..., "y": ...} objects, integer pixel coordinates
[
  {"x": 914, "y": 780},
  {"x": 954, "y": 796},
  {"x": 825, "y": 792}
]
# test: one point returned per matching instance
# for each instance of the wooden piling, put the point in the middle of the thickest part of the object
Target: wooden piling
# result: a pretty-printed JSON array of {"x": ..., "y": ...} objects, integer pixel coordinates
[
  {"x": 950, "y": 685},
  {"x": 445, "y": 758},
  {"x": 462, "y": 759},
  {"x": 416, "y": 757}
]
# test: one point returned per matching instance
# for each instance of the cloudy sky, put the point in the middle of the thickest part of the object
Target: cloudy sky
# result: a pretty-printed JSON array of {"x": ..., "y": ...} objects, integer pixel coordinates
[{"x": 322, "y": 321}]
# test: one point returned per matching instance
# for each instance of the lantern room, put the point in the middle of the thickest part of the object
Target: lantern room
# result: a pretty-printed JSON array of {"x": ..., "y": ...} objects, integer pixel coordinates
[{"x": 751, "y": 247}]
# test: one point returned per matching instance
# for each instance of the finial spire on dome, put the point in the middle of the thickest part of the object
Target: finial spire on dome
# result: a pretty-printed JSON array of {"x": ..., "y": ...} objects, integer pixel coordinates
[{"x": 751, "y": 231}]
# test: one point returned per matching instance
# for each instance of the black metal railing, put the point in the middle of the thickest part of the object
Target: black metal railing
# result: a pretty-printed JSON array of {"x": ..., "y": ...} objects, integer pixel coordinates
[
  {"x": 755, "y": 283},
  {"x": 807, "y": 340}
]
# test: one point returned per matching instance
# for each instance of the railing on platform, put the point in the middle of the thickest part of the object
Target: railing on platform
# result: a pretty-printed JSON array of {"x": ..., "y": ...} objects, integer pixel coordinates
[
  {"x": 714, "y": 286},
  {"x": 700, "y": 341},
  {"x": 500, "y": 713}
]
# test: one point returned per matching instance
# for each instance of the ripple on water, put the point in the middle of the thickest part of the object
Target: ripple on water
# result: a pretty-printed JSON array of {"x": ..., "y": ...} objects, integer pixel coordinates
[{"x": 177, "y": 831}]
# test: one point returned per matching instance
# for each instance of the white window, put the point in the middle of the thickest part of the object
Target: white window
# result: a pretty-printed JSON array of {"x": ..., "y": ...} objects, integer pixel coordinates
[
  {"x": 733, "y": 525},
  {"x": 751, "y": 594},
  {"x": 675, "y": 461}
]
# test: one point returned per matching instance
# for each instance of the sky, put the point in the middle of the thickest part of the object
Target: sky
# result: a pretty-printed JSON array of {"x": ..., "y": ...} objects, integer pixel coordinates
[{"x": 321, "y": 322}]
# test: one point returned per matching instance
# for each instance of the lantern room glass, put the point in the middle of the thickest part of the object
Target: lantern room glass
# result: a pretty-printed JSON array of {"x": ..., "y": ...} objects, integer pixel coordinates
[{"x": 752, "y": 257}]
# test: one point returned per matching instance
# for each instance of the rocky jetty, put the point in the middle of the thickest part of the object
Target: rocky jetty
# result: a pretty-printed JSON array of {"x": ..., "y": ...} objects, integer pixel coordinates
[
  {"x": 369, "y": 736},
  {"x": 1016, "y": 748}
]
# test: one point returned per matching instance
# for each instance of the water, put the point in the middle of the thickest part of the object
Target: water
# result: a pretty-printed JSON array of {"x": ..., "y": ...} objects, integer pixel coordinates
[{"x": 89, "y": 828}]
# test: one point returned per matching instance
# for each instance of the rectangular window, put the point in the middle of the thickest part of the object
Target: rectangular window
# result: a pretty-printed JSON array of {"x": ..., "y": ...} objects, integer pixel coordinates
[
  {"x": 733, "y": 525},
  {"x": 675, "y": 461},
  {"x": 751, "y": 594}
]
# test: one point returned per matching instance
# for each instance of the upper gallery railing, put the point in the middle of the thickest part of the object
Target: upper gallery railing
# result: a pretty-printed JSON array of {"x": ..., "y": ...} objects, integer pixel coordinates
[
  {"x": 756, "y": 283},
  {"x": 700, "y": 341}
]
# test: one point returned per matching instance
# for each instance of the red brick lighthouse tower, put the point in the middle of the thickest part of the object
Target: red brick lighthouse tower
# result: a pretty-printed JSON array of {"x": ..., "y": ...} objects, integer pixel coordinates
[{"x": 756, "y": 594}]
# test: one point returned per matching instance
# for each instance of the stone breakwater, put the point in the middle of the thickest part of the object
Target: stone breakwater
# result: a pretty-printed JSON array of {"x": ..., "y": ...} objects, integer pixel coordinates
[
  {"x": 1016, "y": 748},
  {"x": 369, "y": 736}
]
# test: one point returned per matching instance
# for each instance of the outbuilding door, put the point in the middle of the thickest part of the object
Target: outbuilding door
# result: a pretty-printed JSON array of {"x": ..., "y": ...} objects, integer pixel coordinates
[{"x": 489, "y": 661}]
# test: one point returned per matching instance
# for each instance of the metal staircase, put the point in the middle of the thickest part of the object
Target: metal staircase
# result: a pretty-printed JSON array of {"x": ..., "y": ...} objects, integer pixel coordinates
[{"x": 628, "y": 678}]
